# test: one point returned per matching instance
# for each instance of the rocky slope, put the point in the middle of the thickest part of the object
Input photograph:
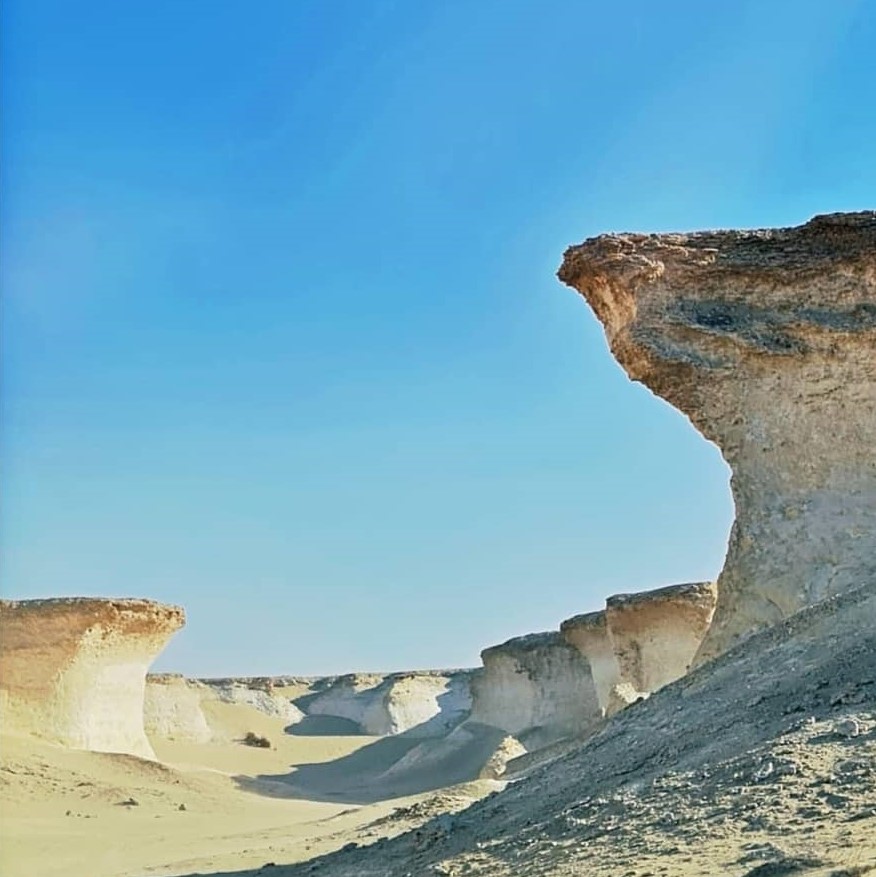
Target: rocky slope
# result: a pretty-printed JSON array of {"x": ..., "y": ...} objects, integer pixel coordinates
[
  {"x": 765, "y": 340},
  {"x": 767, "y": 750},
  {"x": 73, "y": 671}
]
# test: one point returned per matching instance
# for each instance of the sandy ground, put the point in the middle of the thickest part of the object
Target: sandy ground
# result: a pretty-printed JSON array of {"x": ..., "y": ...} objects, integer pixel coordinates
[
  {"x": 759, "y": 764},
  {"x": 205, "y": 808}
]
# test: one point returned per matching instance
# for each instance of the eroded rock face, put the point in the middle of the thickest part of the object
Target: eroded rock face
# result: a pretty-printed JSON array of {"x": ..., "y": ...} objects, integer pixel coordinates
[
  {"x": 588, "y": 633},
  {"x": 536, "y": 687},
  {"x": 655, "y": 636},
  {"x": 74, "y": 670},
  {"x": 425, "y": 704},
  {"x": 172, "y": 708},
  {"x": 642, "y": 641},
  {"x": 766, "y": 340},
  {"x": 266, "y": 695}
]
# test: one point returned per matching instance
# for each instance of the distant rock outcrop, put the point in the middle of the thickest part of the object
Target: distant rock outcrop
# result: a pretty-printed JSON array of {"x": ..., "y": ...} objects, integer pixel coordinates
[
  {"x": 655, "y": 636},
  {"x": 172, "y": 708},
  {"x": 424, "y": 704},
  {"x": 536, "y": 687},
  {"x": 642, "y": 641},
  {"x": 74, "y": 670},
  {"x": 766, "y": 340},
  {"x": 266, "y": 695}
]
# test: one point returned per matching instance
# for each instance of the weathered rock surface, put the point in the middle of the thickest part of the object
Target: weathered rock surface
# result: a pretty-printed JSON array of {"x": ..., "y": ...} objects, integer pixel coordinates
[
  {"x": 74, "y": 670},
  {"x": 172, "y": 708},
  {"x": 536, "y": 687},
  {"x": 744, "y": 749},
  {"x": 766, "y": 340},
  {"x": 266, "y": 695},
  {"x": 642, "y": 641},
  {"x": 656, "y": 634},
  {"x": 425, "y": 704},
  {"x": 589, "y": 634}
]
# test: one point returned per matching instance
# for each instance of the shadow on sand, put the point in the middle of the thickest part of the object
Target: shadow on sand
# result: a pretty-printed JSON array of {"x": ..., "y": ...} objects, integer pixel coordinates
[{"x": 390, "y": 767}]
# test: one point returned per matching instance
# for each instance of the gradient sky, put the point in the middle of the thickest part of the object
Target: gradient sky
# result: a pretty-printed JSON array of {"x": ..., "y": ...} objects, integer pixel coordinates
[{"x": 282, "y": 340}]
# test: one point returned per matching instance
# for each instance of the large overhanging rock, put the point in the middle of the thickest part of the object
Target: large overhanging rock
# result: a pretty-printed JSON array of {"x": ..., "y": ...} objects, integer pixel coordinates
[
  {"x": 766, "y": 340},
  {"x": 74, "y": 670}
]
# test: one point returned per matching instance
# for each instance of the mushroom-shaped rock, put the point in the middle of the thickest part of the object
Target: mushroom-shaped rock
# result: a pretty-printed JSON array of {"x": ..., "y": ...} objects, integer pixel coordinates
[
  {"x": 589, "y": 634},
  {"x": 766, "y": 340},
  {"x": 536, "y": 687},
  {"x": 74, "y": 670}
]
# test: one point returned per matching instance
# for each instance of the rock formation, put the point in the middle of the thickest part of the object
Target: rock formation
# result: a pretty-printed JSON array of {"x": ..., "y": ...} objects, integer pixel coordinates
[
  {"x": 74, "y": 670},
  {"x": 172, "y": 708},
  {"x": 655, "y": 636},
  {"x": 425, "y": 704},
  {"x": 766, "y": 340},
  {"x": 536, "y": 687},
  {"x": 589, "y": 634},
  {"x": 642, "y": 641},
  {"x": 736, "y": 750},
  {"x": 266, "y": 695}
]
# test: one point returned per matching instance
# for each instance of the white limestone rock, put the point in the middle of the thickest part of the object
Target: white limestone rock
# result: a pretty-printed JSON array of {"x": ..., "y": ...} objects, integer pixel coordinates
[{"x": 73, "y": 670}]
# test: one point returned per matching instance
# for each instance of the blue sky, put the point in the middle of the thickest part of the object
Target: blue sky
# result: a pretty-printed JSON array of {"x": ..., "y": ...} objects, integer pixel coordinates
[{"x": 282, "y": 340}]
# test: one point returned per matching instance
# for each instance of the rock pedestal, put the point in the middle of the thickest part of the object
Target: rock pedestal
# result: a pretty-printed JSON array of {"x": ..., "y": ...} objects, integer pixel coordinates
[
  {"x": 766, "y": 340},
  {"x": 74, "y": 670}
]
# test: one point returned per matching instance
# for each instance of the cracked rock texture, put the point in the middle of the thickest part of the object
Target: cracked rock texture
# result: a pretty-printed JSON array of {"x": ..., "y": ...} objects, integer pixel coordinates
[
  {"x": 74, "y": 670},
  {"x": 766, "y": 340}
]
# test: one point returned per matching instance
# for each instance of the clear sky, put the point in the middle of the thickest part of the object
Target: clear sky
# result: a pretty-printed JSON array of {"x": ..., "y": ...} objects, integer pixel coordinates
[{"x": 282, "y": 340}]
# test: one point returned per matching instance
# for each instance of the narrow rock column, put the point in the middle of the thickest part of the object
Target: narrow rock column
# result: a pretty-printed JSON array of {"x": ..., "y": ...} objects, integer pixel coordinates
[
  {"x": 766, "y": 340},
  {"x": 589, "y": 634},
  {"x": 74, "y": 670}
]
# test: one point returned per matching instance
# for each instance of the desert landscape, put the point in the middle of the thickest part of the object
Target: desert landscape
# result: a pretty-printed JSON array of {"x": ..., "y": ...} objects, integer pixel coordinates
[{"x": 700, "y": 728}]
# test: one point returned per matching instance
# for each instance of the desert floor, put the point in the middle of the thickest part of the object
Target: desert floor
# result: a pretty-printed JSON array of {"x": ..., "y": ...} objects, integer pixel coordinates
[{"x": 204, "y": 808}]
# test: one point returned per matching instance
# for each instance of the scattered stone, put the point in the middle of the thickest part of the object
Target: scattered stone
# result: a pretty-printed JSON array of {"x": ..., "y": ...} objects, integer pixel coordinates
[{"x": 847, "y": 728}]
